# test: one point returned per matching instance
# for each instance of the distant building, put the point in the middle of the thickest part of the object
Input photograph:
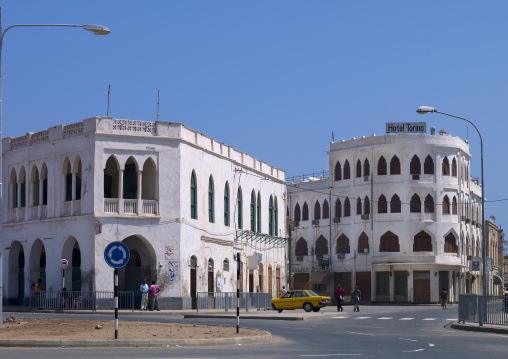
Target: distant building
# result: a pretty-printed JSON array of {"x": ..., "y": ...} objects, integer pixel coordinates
[
  {"x": 182, "y": 202},
  {"x": 495, "y": 248},
  {"x": 398, "y": 215}
]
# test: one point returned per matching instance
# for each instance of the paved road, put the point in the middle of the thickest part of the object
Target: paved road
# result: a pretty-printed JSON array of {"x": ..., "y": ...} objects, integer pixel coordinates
[{"x": 374, "y": 332}]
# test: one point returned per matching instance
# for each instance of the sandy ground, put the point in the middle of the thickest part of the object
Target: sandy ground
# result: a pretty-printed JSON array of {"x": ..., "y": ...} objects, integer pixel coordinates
[{"x": 15, "y": 328}]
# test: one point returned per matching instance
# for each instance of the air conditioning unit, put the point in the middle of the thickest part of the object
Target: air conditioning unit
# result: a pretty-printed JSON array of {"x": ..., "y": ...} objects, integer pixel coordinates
[
  {"x": 336, "y": 220},
  {"x": 469, "y": 258},
  {"x": 416, "y": 177},
  {"x": 315, "y": 222},
  {"x": 468, "y": 220},
  {"x": 341, "y": 256},
  {"x": 319, "y": 256},
  {"x": 365, "y": 216},
  {"x": 296, "y": 223},
  {"x": 478, "y": 225},
  {"x": 299, "y": 258},
  {"x": 473, "y": 222},
  {"x": 366, "y": 178},
  {"x": 462, "y": 218}
]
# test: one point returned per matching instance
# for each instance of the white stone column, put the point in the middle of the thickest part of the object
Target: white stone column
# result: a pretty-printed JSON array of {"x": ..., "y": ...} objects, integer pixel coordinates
[
  {"x": 120, "y": 191},
  {"x": 138, "y": 194}
]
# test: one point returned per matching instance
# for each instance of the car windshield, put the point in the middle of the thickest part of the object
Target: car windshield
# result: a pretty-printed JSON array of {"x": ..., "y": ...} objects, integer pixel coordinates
[{"x": 314, "y": 294}]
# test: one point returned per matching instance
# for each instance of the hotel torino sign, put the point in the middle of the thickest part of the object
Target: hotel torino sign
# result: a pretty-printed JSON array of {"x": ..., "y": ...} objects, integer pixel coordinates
[{"x": 406, "y": 127}]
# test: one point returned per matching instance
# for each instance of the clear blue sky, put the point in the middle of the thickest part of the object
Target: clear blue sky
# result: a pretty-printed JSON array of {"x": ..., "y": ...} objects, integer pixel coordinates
[{"x": 271, "y": 78}]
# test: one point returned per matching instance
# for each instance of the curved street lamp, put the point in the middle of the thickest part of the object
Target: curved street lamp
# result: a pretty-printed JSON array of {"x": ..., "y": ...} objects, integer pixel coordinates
[
  {"x": 425, "y": 109},
  {"x": 97, "y": 30}
]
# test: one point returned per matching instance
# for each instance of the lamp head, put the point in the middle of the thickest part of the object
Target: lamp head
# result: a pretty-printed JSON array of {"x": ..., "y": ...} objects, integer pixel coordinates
[
  {"x": 422, "y": 110},
  {"x": 97, "y": 29}
]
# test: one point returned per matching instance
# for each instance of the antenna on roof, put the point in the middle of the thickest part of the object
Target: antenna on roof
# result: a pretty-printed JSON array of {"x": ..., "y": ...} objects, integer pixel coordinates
[
  {"x": 157, "y": 105},
  {"x": 109, "y": 91},
  {"x": 333, "y": 137}
]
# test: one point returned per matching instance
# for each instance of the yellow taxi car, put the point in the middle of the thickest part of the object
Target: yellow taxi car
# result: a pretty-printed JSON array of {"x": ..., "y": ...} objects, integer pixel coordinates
[{"x": 300, "y": 299}]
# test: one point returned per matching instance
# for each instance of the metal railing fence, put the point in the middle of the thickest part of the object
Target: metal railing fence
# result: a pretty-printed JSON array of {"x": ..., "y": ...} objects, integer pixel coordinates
[
  {"x": 483, "y": 309},
  {"x": 227, "y": 300},
  {"x": 78, "y": 300}
]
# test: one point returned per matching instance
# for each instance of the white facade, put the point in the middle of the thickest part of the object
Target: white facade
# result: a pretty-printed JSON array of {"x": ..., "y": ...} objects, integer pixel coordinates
[
  {"x": 412, "y": 227},
  {"x": 73, "y": 189}
]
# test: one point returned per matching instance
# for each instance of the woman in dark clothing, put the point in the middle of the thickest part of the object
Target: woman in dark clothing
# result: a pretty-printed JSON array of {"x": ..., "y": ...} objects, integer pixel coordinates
[{"x": 339, "y": 293}]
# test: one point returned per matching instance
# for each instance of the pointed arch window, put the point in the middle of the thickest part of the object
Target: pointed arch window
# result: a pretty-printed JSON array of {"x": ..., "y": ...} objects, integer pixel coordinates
[
  {"x": 342, "y": 244},
  {"x": 415, "y": 166},
  {"x": 389, "y": 243},
  {"x": 270, "y": 216},
  {"x": 454, "y": 167},
  {"x": 317, "y": 210},
  {"x": 347, "y": 170},
  {"x": 321, "y": 245},
  {"x": 253, "y": 211},
  {"x": 211, "y": 201},
  {"x": 366, "y": 205},
  {"x": 446, "y": 167},
  {"x": 326, "y": 210},
  {"x": 338, "y": 208},
  {"x": 446, "y": 205},
  {"x": 297, "y": 212},
  {"x": 366, "y": 168},
  {"x": 428, "y": 166},
  {"x": 347, "y": 207},
  {"x": 395, "y": 204},
  {"x": 338, "y": 171},
  {"x": 416, "y": 204},
  {"x": 422, "y": 242},
  {"x": 258, "y": 212},
  {"x": 395, "y": 166},
  {"x": 305, "y": 212},
  {"x": 363, "y": 243},
  {"x": 226, "y": 204},
  {"x": 450, "y": 244},
  {"x": 454, "y": 205},
  {"x": 276, "y": 217},
  {"x": 382, "y": 204},
  {"x": 301, "y": 248},
  {"x": 239, "y": 205},
  {"x": 381, "y": 166},
  {"x": 193, "y": 197},
  {"x": 358, "y": 206},
  {"x": 358, "y": 168},
  {"x": 429, "y": 204}
]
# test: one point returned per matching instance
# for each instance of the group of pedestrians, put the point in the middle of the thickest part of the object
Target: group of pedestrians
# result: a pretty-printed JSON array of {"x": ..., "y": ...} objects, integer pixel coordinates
[
  {"x": 356, "y": 296},
  {"x": 149, "y": 296}
]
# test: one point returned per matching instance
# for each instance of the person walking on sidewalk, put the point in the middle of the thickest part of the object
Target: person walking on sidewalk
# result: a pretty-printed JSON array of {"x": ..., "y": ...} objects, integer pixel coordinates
[
  {"x": 143, "y": 288},
  {"x": 444, "y": 297},
  {"x": 356, "y": 296},
  {"x": 154, "y": 290},
  {"x": 339, "y": 294}
]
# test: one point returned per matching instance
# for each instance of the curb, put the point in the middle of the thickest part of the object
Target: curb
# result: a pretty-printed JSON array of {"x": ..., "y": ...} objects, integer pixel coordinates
[
  {"x": 483, "y": 328},
  {"x": 76, "y": 343}
]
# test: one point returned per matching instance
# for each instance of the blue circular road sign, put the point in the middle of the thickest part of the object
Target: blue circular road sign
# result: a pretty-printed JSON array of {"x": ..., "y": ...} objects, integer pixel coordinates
[{"x": 116, "y": 254}]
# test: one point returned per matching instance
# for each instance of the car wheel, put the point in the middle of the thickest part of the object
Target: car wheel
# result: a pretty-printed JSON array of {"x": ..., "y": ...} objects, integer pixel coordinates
[
  {"x": 280, "y": 310},
  {"x": 308, "y": 307},
  {"x": 316, "y": 309}
]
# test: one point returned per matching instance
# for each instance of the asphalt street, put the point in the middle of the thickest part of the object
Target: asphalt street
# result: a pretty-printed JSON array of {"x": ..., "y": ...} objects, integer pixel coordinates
[{"x": 374, "y": 332}]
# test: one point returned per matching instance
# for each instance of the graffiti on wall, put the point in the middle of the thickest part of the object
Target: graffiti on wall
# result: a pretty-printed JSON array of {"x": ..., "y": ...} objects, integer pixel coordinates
[{"x": 174, "y": 270}]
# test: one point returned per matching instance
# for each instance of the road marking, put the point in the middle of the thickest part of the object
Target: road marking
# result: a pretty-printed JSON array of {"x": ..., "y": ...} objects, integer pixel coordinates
[
  {"x": 406, "y": 318},
  {"x": 366, "y": 326},
  {"x": 363, "y": 317},
  {"x": 413, "y": 351},
  {"x": 431, "y": 345},
  {"x": 411, "y": 340},
  {"x": 360, "y": 333},
  {"x": 385, "y": 318},
  {"x": 340, "y": 317},
  {"x": 429, "y": 319},
  {"x": 326, "y": 355},
  {"x": 451, "y": 319}
]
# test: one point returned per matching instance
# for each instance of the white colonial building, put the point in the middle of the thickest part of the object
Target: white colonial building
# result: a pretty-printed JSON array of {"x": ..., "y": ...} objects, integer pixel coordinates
[
  {"x": 182, "y": 202},
  {"x": 399, "y": 216}
]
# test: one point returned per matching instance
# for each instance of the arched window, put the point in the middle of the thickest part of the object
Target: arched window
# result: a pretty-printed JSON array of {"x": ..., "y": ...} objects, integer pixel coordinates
[
  {"x": 225, "y": 265},
  {"x": 297, "y": 212},
  {"x": 275, "y": 217},
  {"x": 358, "y": 206},
  {"x": 338, "y": 208},
  {"x": 395, "y": 166},
  {"x": 454, "y": 205},
  {"x": 395, "y": 205},
  {"x": 342, "y": 244},
  {"x": 321, "y": 245},
  {"x": 366, "y": 205},
  {"x": 366, "y": 168},
  {"x": 450, "y": 244},
  {"x": 270, "y": 216},
  {"x": 363, "y": 243},
  {"x": 258, "y": 212},
  {"x": 454, "y": 167},
  {"x": 389, "y": 243},
  {"x": 347, "y": 207},
  {"x": 347, "y": 170},
  {"x": 382, "y": 204},
  {"x": 301, "y": 248},
  {"x": 469, "y": 251},
  {"x": 226, "y": 204},
  {"x": 416, "y": 204},
  {"x": 358, "y": 168},
  {"x": 415, "y": 166},
  {"x": 422, "y": 242},
  {"x": 253, "y": 211},
  {"x": 429, "y": 204},
  {"x": 239, "y": 205},
  {"x": 317, "y": 210},
  {"x": 428, "y": 166},
  {"x": 326, "y": 210},
  {"x": 193, "y": 196},
  {"x": 211, "y": 201},
  {"x": 381, "y": 166},
  {"x": 305, "y": 212},
  {"x": 446, "y": 205},
  {"x": 446, "y": 167},
  {"x": 338, "y": 171}
]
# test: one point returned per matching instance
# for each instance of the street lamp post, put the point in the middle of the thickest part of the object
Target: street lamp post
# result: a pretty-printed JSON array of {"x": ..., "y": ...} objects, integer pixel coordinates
[
  {"x": 97, "y": 30},
  {"x": 423, "y": 110}
]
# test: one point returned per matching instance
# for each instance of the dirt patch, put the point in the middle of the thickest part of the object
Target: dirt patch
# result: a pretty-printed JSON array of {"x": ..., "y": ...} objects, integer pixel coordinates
[{"x": 15, "y": 328}]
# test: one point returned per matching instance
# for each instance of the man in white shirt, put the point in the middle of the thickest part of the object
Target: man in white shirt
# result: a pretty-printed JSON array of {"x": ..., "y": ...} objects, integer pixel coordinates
[
  {"x": 144, "y": 295},
  {"x": 283, "y": 291}
]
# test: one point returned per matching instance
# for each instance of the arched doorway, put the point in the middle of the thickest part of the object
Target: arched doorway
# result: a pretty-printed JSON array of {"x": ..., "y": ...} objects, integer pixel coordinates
[
  {"x": 193, "y": 289},
  {"x": 72, "y": 252},
  {"x": 141, "y": 265},
  {"x": 38, "y": 263},
  {"x": 16, "y": 276},
  {"x": 260, "y": 274},
  {"x": 210, "y": 276}
]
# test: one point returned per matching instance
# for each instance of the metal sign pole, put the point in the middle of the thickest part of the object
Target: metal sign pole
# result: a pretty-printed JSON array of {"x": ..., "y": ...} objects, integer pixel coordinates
[
  {"x": 116, "y": 303},
  {"x": 238, "y": 292}
]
